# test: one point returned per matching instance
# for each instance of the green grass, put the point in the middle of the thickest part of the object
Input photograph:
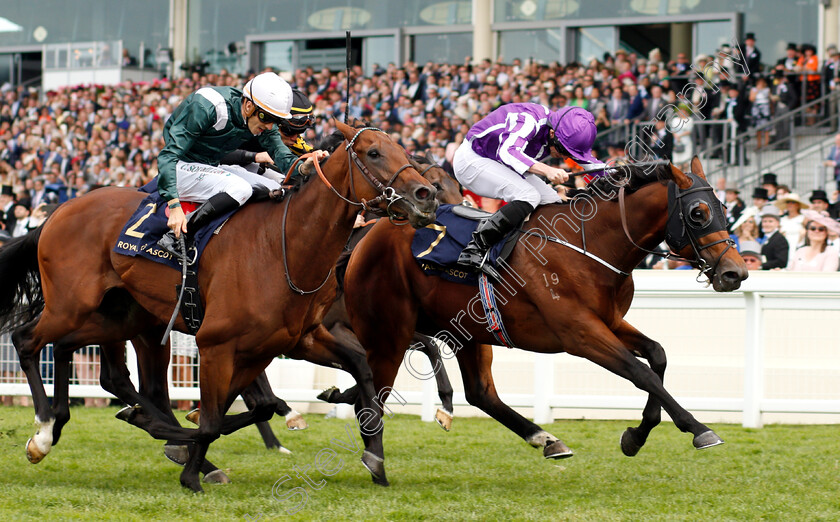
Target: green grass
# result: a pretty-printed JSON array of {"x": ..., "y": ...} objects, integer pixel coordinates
[{"x": 105, "y": 469}]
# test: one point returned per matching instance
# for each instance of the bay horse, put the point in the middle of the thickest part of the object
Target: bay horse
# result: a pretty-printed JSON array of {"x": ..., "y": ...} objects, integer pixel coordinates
[
  {"x": 557, "y": 298},
  {"x": 261, "y": 279}
]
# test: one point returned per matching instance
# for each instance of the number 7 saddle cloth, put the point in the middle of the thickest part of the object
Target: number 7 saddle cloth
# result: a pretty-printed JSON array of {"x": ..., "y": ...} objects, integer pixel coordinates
[
  {"x": 436, "y": 247},
  {"x": 147, "y": 225}
]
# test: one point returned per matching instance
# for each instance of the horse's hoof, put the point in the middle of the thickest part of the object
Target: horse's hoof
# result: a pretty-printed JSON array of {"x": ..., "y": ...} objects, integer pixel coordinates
[
  {"x": 557, "y": 450},
  {"x": 444, "y": 418},
  {"x": 33, "y": 453},
  {"x": 194, "y": 416},
  {"x": 128, "y": 413},
  {"x": 295, "y": 421},
  {"x": 376, "y": 467},
  {"x": 177, "y": 454},
  {"x": 630, "y": 446},
  {"x": 284, "y": 450},
  {"x": 216, "y": 477},
  {"x": 327, "y": 394},
  {"x": 707, "y": 440}
]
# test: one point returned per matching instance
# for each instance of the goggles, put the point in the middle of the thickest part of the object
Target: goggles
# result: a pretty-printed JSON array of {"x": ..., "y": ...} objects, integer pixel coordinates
[
  {"x": 266, "y": 117},
  {"x": 297, "y": 124}
]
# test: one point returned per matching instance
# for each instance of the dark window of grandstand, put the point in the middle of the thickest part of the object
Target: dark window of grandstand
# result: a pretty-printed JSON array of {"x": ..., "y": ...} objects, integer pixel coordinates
[
  {"x": 441, "y": 48},
  {"x": 541, "y": 45},
  {"x": 36, "y": 22},
  {"x": 217, "y": 28},
  {"x": 774, "y": 22}
]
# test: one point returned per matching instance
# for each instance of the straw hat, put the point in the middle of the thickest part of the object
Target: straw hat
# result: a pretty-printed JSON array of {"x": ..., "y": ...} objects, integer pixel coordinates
[
  {"x": 792, "y": 197},
  {"x": 812, "y": 215}
]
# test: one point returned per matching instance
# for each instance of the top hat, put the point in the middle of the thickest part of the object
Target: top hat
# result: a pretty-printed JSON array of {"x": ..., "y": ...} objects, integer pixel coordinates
[
  {"x": 791, "y": 47},
  {"x": 6, "y": 190},
  {"x": 819, "y": 195},
  {"x": 750, "y": 248},
  {"x": 769, "y": 179},
  {"x": 759, "y": 192},
  {"x": 749, "y": 36},
  {"x": 770, "y": 210}
]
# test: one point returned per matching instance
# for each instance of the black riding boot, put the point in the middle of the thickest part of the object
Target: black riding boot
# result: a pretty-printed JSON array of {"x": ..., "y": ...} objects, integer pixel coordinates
[
  {"x": 491, "y": 231},
  {"x": 207, "y": 212}
]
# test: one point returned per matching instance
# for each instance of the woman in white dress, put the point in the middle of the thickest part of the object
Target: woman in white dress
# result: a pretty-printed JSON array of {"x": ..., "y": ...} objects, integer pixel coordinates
[
  {"x": 791, "y": 223},
  {"x": 681, "y": 125}
]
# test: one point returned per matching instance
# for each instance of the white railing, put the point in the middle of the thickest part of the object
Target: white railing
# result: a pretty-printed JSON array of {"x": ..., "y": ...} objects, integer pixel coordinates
[{"x": 770, "y": 348}]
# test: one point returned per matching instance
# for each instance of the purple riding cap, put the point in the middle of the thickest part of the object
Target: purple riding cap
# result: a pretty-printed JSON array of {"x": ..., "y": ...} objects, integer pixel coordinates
[{"x": 517, "y": 134}]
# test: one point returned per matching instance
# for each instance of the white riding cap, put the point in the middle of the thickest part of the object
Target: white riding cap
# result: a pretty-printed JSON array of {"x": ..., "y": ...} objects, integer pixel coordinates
[{"x": 270, "y": 93}]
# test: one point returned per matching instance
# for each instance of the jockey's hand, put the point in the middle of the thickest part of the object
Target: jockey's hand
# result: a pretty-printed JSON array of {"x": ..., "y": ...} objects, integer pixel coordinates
[
  {"x": 557, "y": 175},
  {"x": 308, "y": 166},
  {"x": 177, "y": 221},
  {"x": 263, "y": 157}
]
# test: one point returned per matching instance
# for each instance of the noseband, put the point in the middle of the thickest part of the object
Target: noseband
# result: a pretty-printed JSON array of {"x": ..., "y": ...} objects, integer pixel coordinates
[
  {"x": 386, "y": 192},
  {"x": 683, "y": 227}
]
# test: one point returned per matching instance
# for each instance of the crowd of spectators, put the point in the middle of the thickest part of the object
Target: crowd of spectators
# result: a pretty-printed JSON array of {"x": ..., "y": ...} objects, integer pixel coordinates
[{"x": 59, "y": 144}]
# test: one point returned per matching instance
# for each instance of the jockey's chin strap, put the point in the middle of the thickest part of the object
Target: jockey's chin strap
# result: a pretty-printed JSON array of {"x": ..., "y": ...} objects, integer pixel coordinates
[{"x": 387, "y": 193}]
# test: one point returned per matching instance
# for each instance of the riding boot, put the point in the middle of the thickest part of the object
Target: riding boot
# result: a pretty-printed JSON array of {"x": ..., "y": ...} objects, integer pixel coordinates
[
  {"x": 491, "y": 231},
  {"x": 203, "y": 215}
]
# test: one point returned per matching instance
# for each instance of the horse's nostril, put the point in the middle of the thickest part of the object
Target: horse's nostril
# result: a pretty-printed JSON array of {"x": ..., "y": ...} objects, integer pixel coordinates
[
  {"x": 730, "y": 276},
  {"x": 423, "y": 193}
]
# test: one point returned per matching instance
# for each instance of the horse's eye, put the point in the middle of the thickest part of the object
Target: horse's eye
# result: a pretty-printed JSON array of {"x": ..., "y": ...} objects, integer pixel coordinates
[
  {"x": 373, "y": 153},
  {"x": 437, "y": 186}
]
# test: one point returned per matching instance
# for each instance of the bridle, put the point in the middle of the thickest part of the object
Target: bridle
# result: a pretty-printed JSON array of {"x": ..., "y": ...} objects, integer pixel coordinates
[
  {"x": 684, "y": 227},
  {"x": 386, "y": 194}
]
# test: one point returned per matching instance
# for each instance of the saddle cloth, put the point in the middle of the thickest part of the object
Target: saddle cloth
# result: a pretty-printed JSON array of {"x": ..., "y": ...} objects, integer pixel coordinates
[
  {"x": 147, "y": 225},
  {"x": 436, "y": 247}
]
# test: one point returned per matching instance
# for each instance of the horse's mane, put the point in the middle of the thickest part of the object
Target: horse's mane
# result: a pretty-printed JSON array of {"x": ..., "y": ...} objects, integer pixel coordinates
[{"x": 631, "y": 177}]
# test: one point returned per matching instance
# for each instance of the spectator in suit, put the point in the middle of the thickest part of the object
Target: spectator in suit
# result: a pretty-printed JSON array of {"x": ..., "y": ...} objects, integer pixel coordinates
[
  {"x": 819, "y": 203},
  {"x": 770, "y": 183},
  {"x": 636, "y": 105},
  {"x": 617, "y": 107},
  {"x": 775, "y": 249},
  {"x": 7, "y": 203},
  {"x": 786, "y": 100},
  {"x": 654, "y": 103},
  {"x": 751, "y": 254},
  {"x": 732, "y": 109},
  {"x": 661, "y": 140},
  {"x": 733, "y": 203},
  {"x": 833, "y": 158},
  {"x": 752, "y": 56}
]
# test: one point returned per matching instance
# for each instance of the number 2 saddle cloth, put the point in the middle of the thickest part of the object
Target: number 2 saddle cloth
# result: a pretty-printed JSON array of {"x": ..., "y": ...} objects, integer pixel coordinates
[
  {"x": 436, "y": 247},
  {"x": 147, "y": 225}
]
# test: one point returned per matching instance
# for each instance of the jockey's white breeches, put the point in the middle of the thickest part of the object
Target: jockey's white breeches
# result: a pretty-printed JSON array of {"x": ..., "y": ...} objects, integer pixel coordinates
[
  {"x": 491, "y": 179},
  {"x": 197, "y": 182}
]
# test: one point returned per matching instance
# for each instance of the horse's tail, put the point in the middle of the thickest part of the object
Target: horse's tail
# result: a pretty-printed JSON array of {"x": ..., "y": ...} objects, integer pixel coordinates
[{"x": 21, "y": 296}]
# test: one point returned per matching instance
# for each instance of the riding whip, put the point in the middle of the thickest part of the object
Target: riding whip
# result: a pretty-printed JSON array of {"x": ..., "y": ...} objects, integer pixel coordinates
[
  {"x": 182, "y": 244},
  {"x": 347, "y": 106}
]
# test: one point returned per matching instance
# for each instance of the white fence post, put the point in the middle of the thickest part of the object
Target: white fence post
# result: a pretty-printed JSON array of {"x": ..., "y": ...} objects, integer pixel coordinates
[
  {"x": 753, "y": 360},
  {"x": 543, "y": 387}
]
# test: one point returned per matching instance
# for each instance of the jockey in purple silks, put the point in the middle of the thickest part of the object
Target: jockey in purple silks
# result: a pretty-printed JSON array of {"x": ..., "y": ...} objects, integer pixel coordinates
[{"x": 501, "y": 158}]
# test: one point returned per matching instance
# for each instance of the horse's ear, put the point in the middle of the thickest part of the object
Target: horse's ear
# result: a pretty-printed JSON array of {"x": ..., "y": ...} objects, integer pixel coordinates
[
  {"x": 697, "y": 168},
  {"x": 345, "y": 129},
  {"x": 680, "y": 178}
]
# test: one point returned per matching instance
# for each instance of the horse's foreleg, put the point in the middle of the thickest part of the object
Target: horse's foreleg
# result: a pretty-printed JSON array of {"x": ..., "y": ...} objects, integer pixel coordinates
[
  {"x": 475, "y": 362},
  {"x": 634, "y": 438},
  {"x": 427, "y": 345},
  {"x": 601, "y": 346},
  {"x": 324, "y": 346}
]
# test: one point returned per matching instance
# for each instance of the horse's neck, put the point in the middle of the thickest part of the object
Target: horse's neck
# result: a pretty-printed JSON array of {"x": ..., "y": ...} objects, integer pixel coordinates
[
  {"x": 647, "y": 213},
  {"x": 318, "y": 223}
]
